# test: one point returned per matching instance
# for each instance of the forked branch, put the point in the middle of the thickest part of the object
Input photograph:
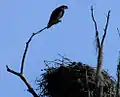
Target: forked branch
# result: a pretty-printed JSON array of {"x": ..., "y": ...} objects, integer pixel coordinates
[
  {"x": 20, "y": 74},
  {"x": 99, "y": 47}
]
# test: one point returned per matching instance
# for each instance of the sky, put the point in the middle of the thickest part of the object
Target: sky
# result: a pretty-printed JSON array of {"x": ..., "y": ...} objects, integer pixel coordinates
[{"x": 73, "y": 37}]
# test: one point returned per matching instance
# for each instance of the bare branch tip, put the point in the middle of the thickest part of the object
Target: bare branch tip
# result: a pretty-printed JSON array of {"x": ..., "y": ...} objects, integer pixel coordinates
[
  {"x": 109, "y": 11},
  {"x": 108, "y": 14},
  {"x": 92, "y": 7},
  {"x": 118, "y": 29},
  {"x": 8, "y": 69},
  {"x": 7, "y": 66}
]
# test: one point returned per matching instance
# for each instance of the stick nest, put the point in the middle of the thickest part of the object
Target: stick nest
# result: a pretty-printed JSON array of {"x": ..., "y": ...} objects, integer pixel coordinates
[{"x": 64, "y": 78}]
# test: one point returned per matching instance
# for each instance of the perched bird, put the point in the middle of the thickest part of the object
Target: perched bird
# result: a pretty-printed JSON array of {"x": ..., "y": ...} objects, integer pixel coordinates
[{"x": 56, "y": 15}]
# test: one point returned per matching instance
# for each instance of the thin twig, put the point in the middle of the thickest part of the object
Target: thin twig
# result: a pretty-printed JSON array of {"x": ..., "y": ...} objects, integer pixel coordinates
[
  {"x": 118, "y": 32},
  {"x": 23, "y": 78},
  {"x": 96, "y": 29},
  {"x": 11, "y": 71},
  {"x": 95, "y": 23},
  {"x": 30, "y": 89},
  {"x": 26, "y": 48},
  {"x": 105, "y": 29}
]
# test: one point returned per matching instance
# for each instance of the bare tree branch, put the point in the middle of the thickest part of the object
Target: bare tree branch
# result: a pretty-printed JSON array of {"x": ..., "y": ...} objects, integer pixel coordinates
[
  {"x": 100, "y": 52},
  {"x": 118, "y": 32},
  {"x": 26, "y": 48},
  {"x": 11, "y": 71},
  {"x": 118, "y": 72},
  {"x": 105, "y": 29},
  {"x": 30, "y": 89},
  {"x": 23, "y": 78},
  {"x": 118, "y": 77},
  {"x": 96, "y": 29},
  {"x": 99, "y": 77}
]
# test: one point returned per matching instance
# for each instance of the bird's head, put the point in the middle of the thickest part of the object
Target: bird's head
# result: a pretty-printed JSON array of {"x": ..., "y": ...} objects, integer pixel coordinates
[{"x": 64, "y": 7}]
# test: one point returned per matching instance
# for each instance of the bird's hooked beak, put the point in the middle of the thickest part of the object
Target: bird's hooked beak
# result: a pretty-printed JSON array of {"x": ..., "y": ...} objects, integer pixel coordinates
[{"x": 64, "y": 6}]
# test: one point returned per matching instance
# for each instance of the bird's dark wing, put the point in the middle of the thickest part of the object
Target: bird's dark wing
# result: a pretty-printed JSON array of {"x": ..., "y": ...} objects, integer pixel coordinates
[
  {"x": 55, "y": 16},
  {"x": 57, "y": 13}
]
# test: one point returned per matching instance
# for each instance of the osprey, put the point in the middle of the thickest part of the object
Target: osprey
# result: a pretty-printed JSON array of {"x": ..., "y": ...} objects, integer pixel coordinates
[{"x": 56, "y": 15}]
